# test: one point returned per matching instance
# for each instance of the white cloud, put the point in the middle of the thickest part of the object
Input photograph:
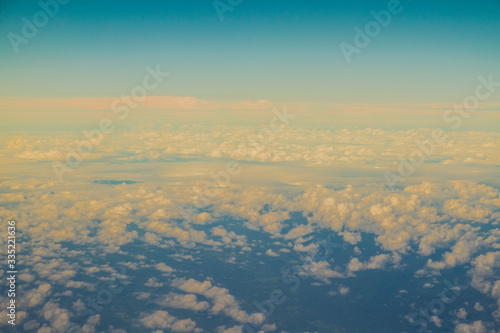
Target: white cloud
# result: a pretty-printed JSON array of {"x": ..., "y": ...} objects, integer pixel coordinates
[
  {"x": 476, "y": 327},
  {"x": 163, "y": 320},
  {"x": 183, "y": 301},
  {"x": 271, "y": 253},
  {"x": 221, "y": 299}
]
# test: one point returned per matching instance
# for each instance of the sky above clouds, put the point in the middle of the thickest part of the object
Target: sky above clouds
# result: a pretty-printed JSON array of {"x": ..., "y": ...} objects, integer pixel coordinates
[
  {"x": 429, "y": 56},
  {"x": 283, "y": 51}
]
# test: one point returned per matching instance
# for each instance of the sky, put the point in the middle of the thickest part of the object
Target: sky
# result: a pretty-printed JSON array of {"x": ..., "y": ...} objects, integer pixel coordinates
[{"x": 282, "y": 51}]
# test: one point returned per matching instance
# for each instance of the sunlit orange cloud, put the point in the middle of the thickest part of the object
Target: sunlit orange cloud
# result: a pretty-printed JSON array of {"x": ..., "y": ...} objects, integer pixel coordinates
[
  {"x": 248, "y": 105},
  {"x": 415, "y": 109},
  {"x": 151, "y": 102},
  {"x": 255, "y": 107}
]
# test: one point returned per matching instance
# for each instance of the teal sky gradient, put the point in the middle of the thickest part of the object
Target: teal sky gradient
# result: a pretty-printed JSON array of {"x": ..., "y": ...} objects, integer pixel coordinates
[{"x": 283, "y": 51}]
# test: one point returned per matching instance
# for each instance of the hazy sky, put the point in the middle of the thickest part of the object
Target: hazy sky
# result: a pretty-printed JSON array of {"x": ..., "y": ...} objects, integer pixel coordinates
[{"x": 282, "y": 51}]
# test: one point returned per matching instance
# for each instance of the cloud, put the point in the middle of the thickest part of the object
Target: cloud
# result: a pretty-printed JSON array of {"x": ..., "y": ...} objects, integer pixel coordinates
[
  {"x": 375, "y": 262},
  {"x": 163, "y": 320},
  {"x": 319, "y": 270},
  {"x": 447, "y": 223},
  {"x": 476, "y": 327},
  {"x": 222, "y": 301},
  {"x": 37, "y": 296},
  {"x": 271, "y": 253},
  {"x": 153, "y": 283},
  {"x": 164, "y": 268},
  {"x": 58, "y": 317},
  {"x": 299, "y": 231},
  {"x": 183, "y": 301}
]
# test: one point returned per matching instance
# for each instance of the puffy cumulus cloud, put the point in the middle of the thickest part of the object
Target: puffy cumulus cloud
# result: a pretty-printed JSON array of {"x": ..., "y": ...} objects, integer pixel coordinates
[
  {"x": 92, "y": 270},
  {"x": 153, "y": 283},
  {"x": 78, "y": 284},
  {"x": 269, "y": 327},
  {"x": 142, "y": 295},
  {"x": 222, "y": 300},
  {"x": 299, "y": 247},
  {"x": 114, "y": 234},
  {"x": 271, "y": 253},
  {"x": 475, "y": 327},
  {"x": 299, "y": 231},
  {"x": 478, "y": 307},
  {"x": 234, "y": 329},
  {"x": 31, "y": 325},
  {"x": 91, "y": 323},
  {"x": 35, "y": 297},
  {"x": 397, "y": 241},
  {"x": 162, "y": 267},
  {"x": 452, "y": 217},
  {"x": 461, "y": 252},
  {"x": 319, "y": 270},
  {"x": 342, "y": 290},
  {"x": 375, "y": 262},
  {"x": 58, "y": 317},
  {"x": 258, "y": 207},
  {"x": 485, "y": 278},
  {"x": 163, "y": 320},
  {"x": 421, "y": 215},
  {"x": 461, "y": 313},
  {"x": 240, "y": 329},
  {"x": 26, "y": 277},
  {"x": 400, "y": 219},
  {"x": 476, "y": 202},
  {"x": 88, "y": 327},
  {"x": 437, "y": 321},
  {"x": 457, "y": 218},
  {"x": 483, "y": 271},
  {"x": 440, "y": 236},
  {"x": 21, "y": 316},
  {"x": 203, "y": 218},
  {"x": 153, "y": 239},
  {"x": 45, "y": 329},
  {"x": 229, "y": 238},
  {"x": 292, "y": 144},
  {"x": 188, "y": 237},
  {"x": 459, "y": 208},
  {"x": 183, "y": 301},
  {"x": 352, "y": 238},
  {"x": 111, "y": 329},
  {"x": 56, "y": 270},
  {"x": 85, "y": 209}
]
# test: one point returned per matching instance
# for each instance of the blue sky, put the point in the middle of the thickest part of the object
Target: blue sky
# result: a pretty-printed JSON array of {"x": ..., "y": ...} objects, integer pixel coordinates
[{"x": 284, "y": 51}]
